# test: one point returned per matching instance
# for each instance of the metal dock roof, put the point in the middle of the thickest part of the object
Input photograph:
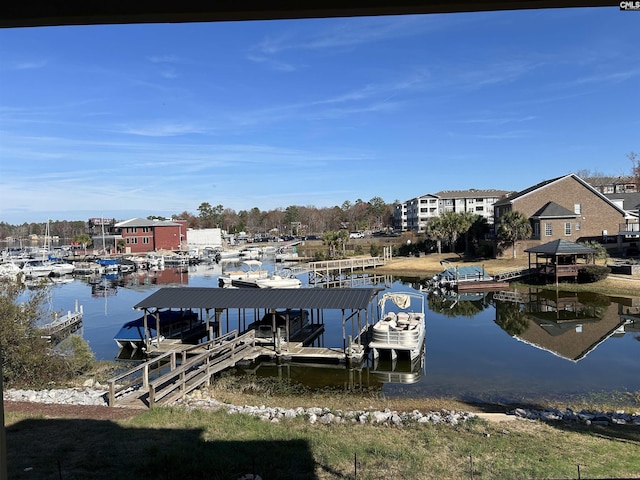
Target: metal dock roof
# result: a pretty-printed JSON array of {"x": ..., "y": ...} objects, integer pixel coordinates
[{"x": 207, "y": 298}]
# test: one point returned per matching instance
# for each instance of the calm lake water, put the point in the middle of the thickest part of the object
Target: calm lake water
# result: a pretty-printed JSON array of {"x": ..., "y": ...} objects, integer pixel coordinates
[{"x": 504, "y": 347}]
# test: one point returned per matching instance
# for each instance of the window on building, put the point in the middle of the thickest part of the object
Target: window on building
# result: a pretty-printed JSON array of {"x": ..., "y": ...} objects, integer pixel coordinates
[
  {"x": 479, "y": 208},
  {"x": 536, "y": 230},
  {"x": 548, "y": 231},
  {"x": 146, "y": 240},
  {"x": 567, "y": 228},
  {"x": 577, "y": 209},
  {"x": 578, "y": 226}
]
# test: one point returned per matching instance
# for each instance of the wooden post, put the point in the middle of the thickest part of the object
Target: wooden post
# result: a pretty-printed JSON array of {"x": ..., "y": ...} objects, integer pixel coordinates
[
  {"x": 145, "y": 376},
  {"x": 112, "y": 393}
]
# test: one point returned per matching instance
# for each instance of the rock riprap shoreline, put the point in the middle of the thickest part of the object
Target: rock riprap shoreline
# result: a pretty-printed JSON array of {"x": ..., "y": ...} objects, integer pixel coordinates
[{"x": 316, "y": 415}]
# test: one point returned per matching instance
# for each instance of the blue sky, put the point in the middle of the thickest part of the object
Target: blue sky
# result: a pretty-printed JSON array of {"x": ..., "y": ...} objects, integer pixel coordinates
[{"x": 135, "y": 120}]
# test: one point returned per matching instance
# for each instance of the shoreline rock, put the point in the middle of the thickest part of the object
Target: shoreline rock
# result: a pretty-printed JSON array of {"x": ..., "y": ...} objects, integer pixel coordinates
[{"x": 325, "y": 416}]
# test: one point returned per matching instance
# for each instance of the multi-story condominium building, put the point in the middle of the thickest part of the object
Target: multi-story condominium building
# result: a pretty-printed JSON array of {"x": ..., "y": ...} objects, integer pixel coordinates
[
  {"x": 414, "y": 214},
  {"x": 610, "y": 185}
]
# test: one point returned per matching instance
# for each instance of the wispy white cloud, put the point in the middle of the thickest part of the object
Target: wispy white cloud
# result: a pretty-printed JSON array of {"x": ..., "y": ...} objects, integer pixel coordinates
[
  {"x": 163, "y": 130},
  {"x": 30, "y": 65}
]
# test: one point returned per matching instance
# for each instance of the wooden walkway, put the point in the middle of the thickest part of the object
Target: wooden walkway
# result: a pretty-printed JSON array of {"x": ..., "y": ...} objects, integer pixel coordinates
[
  {"x": 165, "y": 378},
  {"x": 335, "y": 270},
  {"x": 513, "y": 274}
]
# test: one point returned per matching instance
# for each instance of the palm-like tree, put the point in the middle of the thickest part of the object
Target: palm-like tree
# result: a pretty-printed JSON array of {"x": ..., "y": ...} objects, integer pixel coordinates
[
  {"x": 435, "y": 231},
  {"x": 513, "y": 226}
]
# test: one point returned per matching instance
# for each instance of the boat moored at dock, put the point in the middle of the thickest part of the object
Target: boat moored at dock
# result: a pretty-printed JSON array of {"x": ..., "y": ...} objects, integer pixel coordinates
[
  {"x": 153, "y": 328},
  {"x": 402, "y": 331}
]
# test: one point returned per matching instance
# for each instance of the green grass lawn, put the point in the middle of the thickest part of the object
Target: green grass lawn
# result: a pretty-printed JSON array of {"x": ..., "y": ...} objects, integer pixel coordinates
[{"x": 175, "y": 443}]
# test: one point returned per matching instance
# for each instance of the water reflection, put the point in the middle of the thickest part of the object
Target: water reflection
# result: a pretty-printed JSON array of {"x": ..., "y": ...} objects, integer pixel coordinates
[
  {"x": 557, "y": 344},
  {"x": 569, "y": 325},
  {"x": 369, "y": 375}
]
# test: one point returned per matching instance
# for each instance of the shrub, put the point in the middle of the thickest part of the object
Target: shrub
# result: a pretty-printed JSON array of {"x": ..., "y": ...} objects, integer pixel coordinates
[
  {"x": 320, "y": 256},
  {"x": 593, "y": 273},
  {"x": 27, "y": 359}
]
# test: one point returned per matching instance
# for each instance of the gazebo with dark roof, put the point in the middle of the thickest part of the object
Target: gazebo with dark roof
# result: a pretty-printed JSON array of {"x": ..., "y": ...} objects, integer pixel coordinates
[{"x": 561, "y": 258}]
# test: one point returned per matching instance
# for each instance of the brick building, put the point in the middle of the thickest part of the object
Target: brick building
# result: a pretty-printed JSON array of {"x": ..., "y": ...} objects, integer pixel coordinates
[
  {"x": 566, "y": 208},
  {"x": 141, "y": 235}
]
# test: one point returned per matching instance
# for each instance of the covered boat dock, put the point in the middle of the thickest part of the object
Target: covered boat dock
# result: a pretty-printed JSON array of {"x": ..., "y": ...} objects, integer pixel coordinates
[{"x": 223, "y": 310}]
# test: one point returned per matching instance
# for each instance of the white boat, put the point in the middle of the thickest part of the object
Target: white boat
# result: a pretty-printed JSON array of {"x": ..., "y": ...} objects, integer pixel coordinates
[
  {"x": 251, "y": 270},
  {"x": 37, "y": 268},
  {"x": 250, "y": 253},
  {"x": 61, "y": 268},
  {"x": 401, "y": 328},
  {"x": 9, "y": 270},
  {"x": 286, "y": 256},
  {"x": 278, "y": 280}
]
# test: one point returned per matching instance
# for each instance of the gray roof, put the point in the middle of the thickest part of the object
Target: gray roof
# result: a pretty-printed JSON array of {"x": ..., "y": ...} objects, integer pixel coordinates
[
  {"x": 630, "y": 201},
  {"x": 145, "y": 222},
  {"x": 472, "y": 193},
  {"x": 561, "y": 247},
  {"x": 553, "y": 210},
  {"x": 311, "y": 298}
]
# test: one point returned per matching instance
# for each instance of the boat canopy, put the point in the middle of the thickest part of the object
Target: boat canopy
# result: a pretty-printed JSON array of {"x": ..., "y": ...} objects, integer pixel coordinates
[
  {"x": 402, "y": 300},
  {"x": 467, "y": 272}
]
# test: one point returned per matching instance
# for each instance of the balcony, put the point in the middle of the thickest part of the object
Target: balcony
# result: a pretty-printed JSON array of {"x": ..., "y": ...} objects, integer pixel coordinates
[{"x": 629, "y": 228}]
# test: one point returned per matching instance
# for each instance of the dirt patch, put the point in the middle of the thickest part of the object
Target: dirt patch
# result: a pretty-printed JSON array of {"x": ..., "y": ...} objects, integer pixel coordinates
[{"x": 51, "y": 410}]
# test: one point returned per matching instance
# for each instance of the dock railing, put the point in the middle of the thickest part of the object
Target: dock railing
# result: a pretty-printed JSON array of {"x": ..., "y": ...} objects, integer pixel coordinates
[
  {"x": 332, "y": 270},
  {"x": 160, "y": 376},
  {"x": 198, "y": 370}
]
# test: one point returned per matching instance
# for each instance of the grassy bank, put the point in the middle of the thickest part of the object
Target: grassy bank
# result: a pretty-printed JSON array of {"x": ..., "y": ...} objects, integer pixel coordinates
[
  {"x": 429, "y": 265},
  {"x": 171, "y": 443}
]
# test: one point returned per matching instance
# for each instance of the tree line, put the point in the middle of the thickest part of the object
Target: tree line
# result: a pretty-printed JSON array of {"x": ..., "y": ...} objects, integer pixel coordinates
[{"x": 292, "y": 220}]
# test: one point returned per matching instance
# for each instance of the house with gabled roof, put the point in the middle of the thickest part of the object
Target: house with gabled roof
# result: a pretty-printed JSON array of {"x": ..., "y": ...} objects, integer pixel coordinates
[
  {"x": 567, "y": 208},
  {"x": 142, "y": 235}
]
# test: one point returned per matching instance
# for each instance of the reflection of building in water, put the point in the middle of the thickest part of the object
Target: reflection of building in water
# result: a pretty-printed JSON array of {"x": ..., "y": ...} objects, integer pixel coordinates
[
  {"x": 569, "y": 325},
  {"x": 146, "y": 279},
  {"x": 630, "y": 313}
]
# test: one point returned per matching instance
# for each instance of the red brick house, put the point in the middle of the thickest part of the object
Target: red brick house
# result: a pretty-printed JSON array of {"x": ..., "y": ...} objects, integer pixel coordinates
[
  {"x": 141, "y": 235},
  {"x": 566, "y": 208}
]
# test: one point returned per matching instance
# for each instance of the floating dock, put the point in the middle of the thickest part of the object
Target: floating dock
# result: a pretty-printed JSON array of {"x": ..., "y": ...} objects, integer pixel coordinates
[{"x": 62, "y": 326}]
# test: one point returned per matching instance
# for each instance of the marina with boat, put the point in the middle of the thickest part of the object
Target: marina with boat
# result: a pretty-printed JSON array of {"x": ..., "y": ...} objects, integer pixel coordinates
[{"x": 328, "y": 342}]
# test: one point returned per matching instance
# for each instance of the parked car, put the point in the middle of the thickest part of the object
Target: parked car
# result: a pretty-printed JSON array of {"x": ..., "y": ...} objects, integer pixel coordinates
[{"x": 356, "y": 235}]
